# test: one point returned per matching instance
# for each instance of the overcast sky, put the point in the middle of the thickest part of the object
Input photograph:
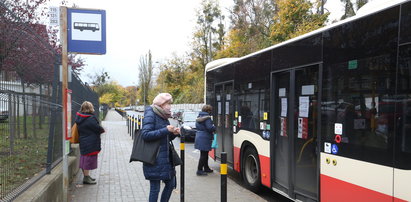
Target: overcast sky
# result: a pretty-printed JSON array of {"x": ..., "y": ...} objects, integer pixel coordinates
[{"x": 136, "y": 26}]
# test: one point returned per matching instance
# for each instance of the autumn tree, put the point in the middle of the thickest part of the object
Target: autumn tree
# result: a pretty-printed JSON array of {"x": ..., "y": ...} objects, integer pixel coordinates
[
  {"x": 294, "y": 18},
  {"x": 112, "y": 94},
  {"x": 209, "y": 34},
  {"x": 251, "y": 21},
  {"x": 130, "y": 96},
  {"x": 24, "y": 45},
  {"x": 181, "y": 81}
]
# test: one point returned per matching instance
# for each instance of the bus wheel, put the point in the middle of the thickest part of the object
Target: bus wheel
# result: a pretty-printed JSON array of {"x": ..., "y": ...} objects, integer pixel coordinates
[{"x": 251, "y": 170}]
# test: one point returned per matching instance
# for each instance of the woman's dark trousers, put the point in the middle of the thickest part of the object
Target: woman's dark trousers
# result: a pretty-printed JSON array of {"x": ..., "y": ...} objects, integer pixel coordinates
[{"x": 203, "y": 162}]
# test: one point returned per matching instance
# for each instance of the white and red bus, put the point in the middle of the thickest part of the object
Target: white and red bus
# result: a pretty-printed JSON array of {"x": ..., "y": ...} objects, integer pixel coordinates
[{"x": 325, "y": 116}]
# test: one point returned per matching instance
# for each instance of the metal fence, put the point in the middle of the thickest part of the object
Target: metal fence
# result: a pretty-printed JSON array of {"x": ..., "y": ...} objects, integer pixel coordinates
[{"x": 30, "y": 103}]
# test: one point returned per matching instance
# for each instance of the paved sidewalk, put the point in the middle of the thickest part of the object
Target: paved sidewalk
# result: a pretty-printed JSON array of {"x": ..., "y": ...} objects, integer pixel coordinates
[{"x": 119, "y": 180}]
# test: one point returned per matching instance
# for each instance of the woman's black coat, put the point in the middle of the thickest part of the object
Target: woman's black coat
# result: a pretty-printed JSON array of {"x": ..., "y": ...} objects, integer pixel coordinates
[{"x": 89, "y": 131}]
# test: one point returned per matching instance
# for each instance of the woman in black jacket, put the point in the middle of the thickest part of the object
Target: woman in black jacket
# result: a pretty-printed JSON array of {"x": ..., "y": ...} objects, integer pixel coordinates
[{"x": 89, "y": 131}]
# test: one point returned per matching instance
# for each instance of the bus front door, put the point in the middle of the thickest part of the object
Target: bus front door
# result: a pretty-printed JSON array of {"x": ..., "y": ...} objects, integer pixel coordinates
[
  {"x": 294, "y": 144},
  {"x": 223, "y": 115}
]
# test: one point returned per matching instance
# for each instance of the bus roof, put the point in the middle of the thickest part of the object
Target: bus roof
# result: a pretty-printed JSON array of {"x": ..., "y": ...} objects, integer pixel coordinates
[{"x": 368, "y": 9}]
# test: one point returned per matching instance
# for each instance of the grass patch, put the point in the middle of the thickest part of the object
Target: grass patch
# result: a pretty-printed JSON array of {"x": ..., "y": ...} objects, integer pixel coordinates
[{"x": 28, "y": 158}]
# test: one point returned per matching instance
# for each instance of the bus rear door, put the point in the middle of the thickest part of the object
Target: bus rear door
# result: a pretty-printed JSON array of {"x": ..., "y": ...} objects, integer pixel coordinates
[{"x": 294, "y": 146}]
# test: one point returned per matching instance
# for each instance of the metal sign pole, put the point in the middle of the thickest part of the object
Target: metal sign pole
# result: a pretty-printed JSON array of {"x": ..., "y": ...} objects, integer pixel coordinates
[{"x": 64, "y": 61}]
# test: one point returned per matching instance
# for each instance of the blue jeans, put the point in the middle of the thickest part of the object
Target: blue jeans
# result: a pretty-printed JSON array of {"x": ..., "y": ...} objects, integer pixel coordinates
[{"x": 155, "y": 189}]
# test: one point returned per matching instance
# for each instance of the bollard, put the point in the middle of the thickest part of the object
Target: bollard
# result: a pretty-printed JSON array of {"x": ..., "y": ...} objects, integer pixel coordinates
[
  {"x": 132, "y": 125},
  {"x": 129, "y": 124},
  {"x": 135, "y": 123},
  {"x": 128, "y": 130},
  {"x": 138, "y": 122},
  {"x": 223, "y": 172},
  {"x": 182, "y": 167}
]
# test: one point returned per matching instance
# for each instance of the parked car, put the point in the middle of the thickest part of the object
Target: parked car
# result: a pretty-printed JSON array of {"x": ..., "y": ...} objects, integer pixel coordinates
[
  {"x": 4, "y": 113},
  {"x": 188, "y": 124}
]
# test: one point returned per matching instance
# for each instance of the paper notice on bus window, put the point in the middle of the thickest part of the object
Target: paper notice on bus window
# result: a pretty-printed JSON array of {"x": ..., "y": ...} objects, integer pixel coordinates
[
  {"x": 283, "y": 107},
  {"x": 227, "y": 107},
  {"x": 307, "y": 90},
  {"x": 219, "y": 107},
  {"x": 281, "y": 92},
  {"x": 304, "y": 106}
]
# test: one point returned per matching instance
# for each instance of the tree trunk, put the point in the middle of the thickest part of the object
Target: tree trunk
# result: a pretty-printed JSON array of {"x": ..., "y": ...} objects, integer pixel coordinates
[
  {"x": 33, "y": 115},
  {"x": 24, "y": 111},
  {"x": 18, "y": 116}
]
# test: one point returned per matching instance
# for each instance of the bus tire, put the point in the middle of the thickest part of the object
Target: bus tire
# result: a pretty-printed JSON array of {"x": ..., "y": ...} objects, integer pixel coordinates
[{"x": 251, "y": 170}]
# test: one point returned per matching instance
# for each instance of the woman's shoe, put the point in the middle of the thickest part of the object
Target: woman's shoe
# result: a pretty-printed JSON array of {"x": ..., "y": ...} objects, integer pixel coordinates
[
  {"x": 92, "y": 178},
  {"x": 208, "y": 170},
  {"x": 201, "y": 173},
  {"x": 88, "y": 180}
]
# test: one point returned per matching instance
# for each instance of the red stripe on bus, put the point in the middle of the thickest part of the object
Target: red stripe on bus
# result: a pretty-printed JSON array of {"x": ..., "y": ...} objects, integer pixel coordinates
[
  {"x": 398, "y": 200},
  {"x": 336, "y": 190},
  {"x": 265, "y": 171},
  {"x": 237, "y": 165}
]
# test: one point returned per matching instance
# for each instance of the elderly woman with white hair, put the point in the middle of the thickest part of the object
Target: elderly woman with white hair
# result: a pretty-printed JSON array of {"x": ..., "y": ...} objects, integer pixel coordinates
[{"x": 157, "y": 126}]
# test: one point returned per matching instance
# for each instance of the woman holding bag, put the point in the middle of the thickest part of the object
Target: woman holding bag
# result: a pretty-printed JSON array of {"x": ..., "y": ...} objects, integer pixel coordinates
[
  {"x": 204, "y": 138},
  {"x": 157, "y": 127}
]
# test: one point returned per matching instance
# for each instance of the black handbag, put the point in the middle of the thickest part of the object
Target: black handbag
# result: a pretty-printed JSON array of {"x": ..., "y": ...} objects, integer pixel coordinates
[
  {"x": 175, "y": 159},
  {"x": 144, "y": 151}
]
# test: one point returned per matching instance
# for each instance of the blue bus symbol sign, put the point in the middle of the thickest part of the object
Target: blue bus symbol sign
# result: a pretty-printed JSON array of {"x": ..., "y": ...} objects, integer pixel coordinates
[
  {"x": 334, "y": 149},
  {"x": 86, "y": 31}
]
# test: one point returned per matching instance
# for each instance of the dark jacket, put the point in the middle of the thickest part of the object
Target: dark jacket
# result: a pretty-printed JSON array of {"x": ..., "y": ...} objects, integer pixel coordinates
[
  {"x": 154, "y": 128},
  {"x": 205, "y": 132},
  {"x": 89, "y": 131}
]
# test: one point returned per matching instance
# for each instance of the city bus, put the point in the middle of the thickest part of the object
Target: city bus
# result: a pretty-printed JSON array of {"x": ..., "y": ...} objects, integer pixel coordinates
[{"x": 325, "y": 116}]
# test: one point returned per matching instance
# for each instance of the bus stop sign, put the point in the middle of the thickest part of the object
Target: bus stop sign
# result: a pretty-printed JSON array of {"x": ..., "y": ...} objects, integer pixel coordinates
[{"x": 86, "y": 31}]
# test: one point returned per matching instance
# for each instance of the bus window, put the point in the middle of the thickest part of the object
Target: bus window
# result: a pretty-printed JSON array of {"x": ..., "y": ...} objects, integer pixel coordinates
[
  {"x": 248, "y": 111},
  {"x": 252, "y": 103}
]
